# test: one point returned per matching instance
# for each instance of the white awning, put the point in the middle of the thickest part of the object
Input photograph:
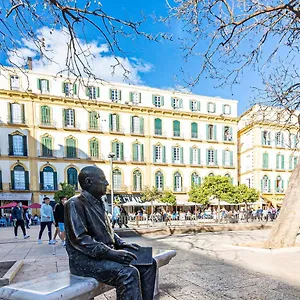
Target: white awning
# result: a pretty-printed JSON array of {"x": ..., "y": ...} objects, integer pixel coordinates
[{"x": 15, "y": 196}]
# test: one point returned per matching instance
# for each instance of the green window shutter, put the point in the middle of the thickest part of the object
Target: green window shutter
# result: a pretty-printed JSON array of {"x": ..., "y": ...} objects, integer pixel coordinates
[
  {"x": 12, "y": 176},
  {"x": 262, "y": 185},
  {"x": 10, "y": 145},
  {"x": 135, "y": 152},
  {"x": 153, "y": 99},
  {"x": 198, "y": 106},
  {"x": 87, "y": 91},
  {"x": 164, "y": 154},
  {"x": 207, "y": 131},
  {"x": 263, "y": 140},
  {"x": 290, "y": 162},
  {"x": 277, "y": 161},
  {"x": 110, "y": 122},
  {"x": 214, "y": 107},
  {"x": 63, "y": 87},
  {"x": 23, "y": 113},
  {"x": 74, "y": 117},
  {"x": 65, "y": 117},
  {"x": 110, "y": 94},
  {"x": 172, "y": 102},
  {"x": 230, "y": 132},
  {"x": 154, "y": 156},
  {"x": 130, "y": 96},
  {"x": 25, "y": 145},
  {"x": 269, "y": 185},
  {"x": 120, "y": 95},
  {"x": 142, "y": 152},
  {"x": 223, "y": 108},
  {"x": 216, "y": 157},
  {"x": 282, "y": 162},
  {"x": 162, "y": 100},
  {"x": 10, "y": 112},
  {"x": 295, "y": 162},
  {"x": 142, "y": 125},
  {"x": 207, "y": 157},
  {"x": 223, "y": 157},
  {"x": 199, "y": 157},
  {"x": 122, "y": 151},
  {"x": 98, "y": 92},
  {"x": 131, "y": 124},
  {"x": 114, "y": 147},
  {"x": 26, "y": 180},
  {"x": 39, "y": 86},
  {"x": 176, "y": 128},
  {"x": 158, "y": 126},
  {"x": 180, "y": 103},
  {"x": 230, "y": 109},
  {"x": 231, "y": 158},
  {"x": 134, "y": 180},
  {"x": 191, "y": 155},
  {"x": 208, "y": 107},
  {"x": 191, "y": 107},
  {"x": 194, "y": 129},
  {"x": 48, "y": 85},
  {"x": 282, "y": 184},
  {"x": 215, "y": 132},
  {"x": 275, "y": 186},
  {"x": 140, "y": 97},
  {"x": 118, "y": 122},
  {"x": 55, "y": 180},
  {"x": 42, "y": 180},
  {"x": 265, "y": 161},
  {"x": 162, "y": 180},
  {"x": 75, "y": 89},
  {"x": 173, "y": 158},
  {"x": 181, "y": 155}
]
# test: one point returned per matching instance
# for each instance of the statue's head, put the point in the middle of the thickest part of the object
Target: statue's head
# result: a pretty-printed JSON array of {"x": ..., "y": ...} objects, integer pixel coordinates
[{"x": 92, "y": 179}]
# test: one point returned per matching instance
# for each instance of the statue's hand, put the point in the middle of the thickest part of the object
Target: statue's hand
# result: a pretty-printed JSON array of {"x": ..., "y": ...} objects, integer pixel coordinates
[
  {"x": 120, "y": 256},
  {"x": 130, "y": 246}
]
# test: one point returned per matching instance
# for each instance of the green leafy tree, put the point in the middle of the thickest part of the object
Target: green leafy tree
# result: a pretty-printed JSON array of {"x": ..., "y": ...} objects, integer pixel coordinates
[
  {"x": 168, "y": 197},
  {"x": 245, "y": 194},
  {"x": 151, "y": 194},
  {"x": 219, "y": 187},
  {"x": 66, "y": 190}
]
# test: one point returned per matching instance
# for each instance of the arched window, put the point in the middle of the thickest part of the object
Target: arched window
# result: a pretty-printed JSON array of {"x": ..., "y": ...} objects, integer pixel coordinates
[
  {"x": 17, "y": 144},
  {"x": 45, "y": 115},
  {"x": 279, "y": 185},
  {"x": 19, "y": 178},
  {"x": 47, "y": 146},
  {"x": 72, "y": 177},
  {"x": 265, "y": 184},
  {"x": 157, "y": 126},
  {"x": 194, "y": 130},
  {"x": 137, "y": 180},
  {"x": 94, "y": 148},
  {"x": 117, "y": 180},
  {"x": 176, "y": 128},
  {"x": 71, "y": 148},
  {"x": 195, "y": 179},
  {"x": 177, "y": 182},
  {"x": 159, "y": 180},
  {"x": 211, "y": 174},
  {"x": 48, "y": 179}
]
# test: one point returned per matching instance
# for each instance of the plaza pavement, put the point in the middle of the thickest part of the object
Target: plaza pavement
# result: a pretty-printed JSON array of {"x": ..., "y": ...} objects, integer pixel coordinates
[{"x": 207, "y": 265}]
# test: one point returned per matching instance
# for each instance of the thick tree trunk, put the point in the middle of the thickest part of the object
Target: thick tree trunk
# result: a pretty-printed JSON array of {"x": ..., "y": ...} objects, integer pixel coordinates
[{"x": 287, "y": 225}]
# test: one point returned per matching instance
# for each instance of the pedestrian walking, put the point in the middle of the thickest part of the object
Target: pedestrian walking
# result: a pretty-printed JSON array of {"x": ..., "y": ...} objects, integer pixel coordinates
[
  {"x": 28, "y": 219},
  {"x": 47, "y": 219},
  {"x": 18, "y": 220},
  {"x": 124, "y": 217},
  {"x": 116, "y": 215},
  {"x": 60, "y": 218}
]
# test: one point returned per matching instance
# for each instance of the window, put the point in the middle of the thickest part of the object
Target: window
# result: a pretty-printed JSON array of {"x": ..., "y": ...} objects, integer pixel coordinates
[
  {"x": 212, "y": 157},
  {"x": 114, "y": 123},
  {"x": 137, "y": 125},
  {"x": 135, "y": 98},
  {"x": 211, "y": 174},
  {"x": 159, "y": 154},
  {"x": 195, "y": 179},
  {"x": 69, "y": 115},
  {"x": 69, "y": 89},
  {"x": 279, "y": 139},
  {"x": 227, "y": 134},
  {"x": 265, "y": 184},
  {"x": 117, "y": 148},
  {"x": 17, "y": 144},
  {"x": 138, "y": 152},
  {"x": 93, "y": 120},
  {"x": 115, "y": 95},
  {"x": 279, "y": 185},
  {"x": 280, "y": 162},
  {"x": 293, "y": 161},
  {"x": 117, "y": 180},
  {"x": 176, "y": 103},
  {"x": 45, "y": 115},
  {"x": 72, "y": 177},
  {"x": 14, "y": 82},
  {"x": 71, "y": 148},
  {"x": 194, "y": 130},
  {"x": 137, "y": 181},
  {"x": 159, "y": 180},
  {"x": 17, "y": 113},
  {"x": 226, "y": 109},
  {"x": 94, "y": 148},
  {"x": 157, "y": 126},
  {"x": 47, "y": 146},
  {"x": 266, "y": 138},
  {"x": 265, "y": 163},
  {"x": 194, "y": 105},
  {"x": 157, "y": 101},
  {"x": 227, "y": 158},
  {"x": 48, "y": 179},
  {"x": 211, "y": 132},
  {"x": 195, "y": 156},
  {"x": 176, "y": 128},
  {"x": 19, "y": 178},
  {"x": 43, "y": 86},
  {"x": 177, "y": 182},
  {"x": 211, "y": 107},
  {"x": 177, "y": 155},
  {"x": 92, "y": 92}
]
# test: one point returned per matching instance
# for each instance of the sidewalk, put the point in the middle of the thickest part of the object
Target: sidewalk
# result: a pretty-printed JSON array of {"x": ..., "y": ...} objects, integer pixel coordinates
[{"x": 207, "y": 265}]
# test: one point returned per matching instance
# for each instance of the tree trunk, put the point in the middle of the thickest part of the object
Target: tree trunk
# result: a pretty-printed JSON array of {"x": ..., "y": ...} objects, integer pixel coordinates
[{"x": 287, "y": 224}]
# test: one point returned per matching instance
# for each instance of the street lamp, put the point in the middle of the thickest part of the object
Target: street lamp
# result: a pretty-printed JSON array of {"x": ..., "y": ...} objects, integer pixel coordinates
[{"x": 111, "y": 156}]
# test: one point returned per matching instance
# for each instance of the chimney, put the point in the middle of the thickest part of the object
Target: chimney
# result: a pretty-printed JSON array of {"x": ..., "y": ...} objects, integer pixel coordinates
[{"x": 29, "y": 63}]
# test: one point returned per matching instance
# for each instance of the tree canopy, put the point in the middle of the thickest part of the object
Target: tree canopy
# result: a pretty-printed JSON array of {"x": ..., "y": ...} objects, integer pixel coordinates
[
  {"x": 151, "y": 194},
  {"x": 168, "y": 197},
  {"x": 67, "y": 190},
  {"x": 245, "y": 194}
]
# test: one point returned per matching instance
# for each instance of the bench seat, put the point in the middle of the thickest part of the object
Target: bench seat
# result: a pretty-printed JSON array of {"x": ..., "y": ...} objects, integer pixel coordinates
[{"x": 64, "y": 285}]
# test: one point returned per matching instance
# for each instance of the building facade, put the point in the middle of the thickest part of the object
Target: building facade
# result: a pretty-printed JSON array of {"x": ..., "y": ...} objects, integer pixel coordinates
[
  {"x": 268, "y": 151},
  {"x": 52, "y": 126}
]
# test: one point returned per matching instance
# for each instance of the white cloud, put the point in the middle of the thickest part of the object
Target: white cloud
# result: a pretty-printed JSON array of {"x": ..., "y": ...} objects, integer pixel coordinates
[{"x": 97, "y": 56}]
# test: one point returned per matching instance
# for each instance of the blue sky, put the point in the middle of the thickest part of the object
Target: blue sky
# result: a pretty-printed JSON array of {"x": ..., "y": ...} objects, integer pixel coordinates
[{"x": 155, "y": 64}]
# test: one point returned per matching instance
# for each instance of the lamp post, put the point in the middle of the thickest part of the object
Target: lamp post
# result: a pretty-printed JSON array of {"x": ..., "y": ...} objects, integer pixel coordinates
[{"x": 111, "y": 156}]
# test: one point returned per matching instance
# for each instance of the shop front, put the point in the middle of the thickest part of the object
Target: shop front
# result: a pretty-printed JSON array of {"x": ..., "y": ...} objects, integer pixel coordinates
[{"x": 6, "y": 198}]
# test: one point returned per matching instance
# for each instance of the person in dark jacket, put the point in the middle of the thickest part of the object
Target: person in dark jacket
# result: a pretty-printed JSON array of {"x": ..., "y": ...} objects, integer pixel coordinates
[
  {"x": 59, "y": 217},
  {"x": 18, "y": 219}
]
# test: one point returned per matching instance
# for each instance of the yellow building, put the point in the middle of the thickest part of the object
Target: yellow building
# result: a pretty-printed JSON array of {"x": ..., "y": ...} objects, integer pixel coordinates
[
  {"x": 268, "y": 151},
  {"x": 52, "y": 126}
]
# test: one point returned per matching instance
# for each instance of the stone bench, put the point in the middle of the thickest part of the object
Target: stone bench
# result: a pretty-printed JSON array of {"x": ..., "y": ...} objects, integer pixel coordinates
[{"x": 66, "y": 286}]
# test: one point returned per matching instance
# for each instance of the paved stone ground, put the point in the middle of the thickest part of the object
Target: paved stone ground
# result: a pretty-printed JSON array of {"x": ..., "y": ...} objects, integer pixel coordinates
[{"x": 207, "y": 265}]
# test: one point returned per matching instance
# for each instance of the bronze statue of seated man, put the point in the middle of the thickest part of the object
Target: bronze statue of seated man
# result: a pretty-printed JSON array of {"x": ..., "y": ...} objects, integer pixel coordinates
[{"x": 95, "y": 250}]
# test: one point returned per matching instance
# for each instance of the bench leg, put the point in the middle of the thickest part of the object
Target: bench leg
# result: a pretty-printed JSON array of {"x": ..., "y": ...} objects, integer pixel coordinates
[{"x": 156, "y": 287}]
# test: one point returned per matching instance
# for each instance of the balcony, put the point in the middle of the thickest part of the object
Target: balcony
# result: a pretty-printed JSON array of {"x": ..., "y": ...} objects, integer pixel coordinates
[
  {"x": 227, "y": 138},
  {"x": 196, "y": 136},
  {"x": 48, "y": 124},
  {"x": 160, "y": 133},
  {"x": 118, "y": 188},
  {"x": 119, "y": 159},
  {"x": 99, "y": 157},
  {"x": 178, "y": 135},
  {"x": 18, "y": 188},
  {"x": 117, "y": 131},
  {"x": 47, "y": 154},
  {"x": 20, "y": 121},
  {"x": 49, "y": 188},
  {"x": 17, "y": 154},
  {"x": 138, "y": 160},
  {"x": 75, "y": 126},
  {"x": 137, "y": 132},
  {"x": 94, "y": 128}
]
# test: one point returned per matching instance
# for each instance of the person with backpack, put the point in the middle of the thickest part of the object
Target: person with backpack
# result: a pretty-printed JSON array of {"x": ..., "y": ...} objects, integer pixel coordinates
[{"x": 18, "y": 220}]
